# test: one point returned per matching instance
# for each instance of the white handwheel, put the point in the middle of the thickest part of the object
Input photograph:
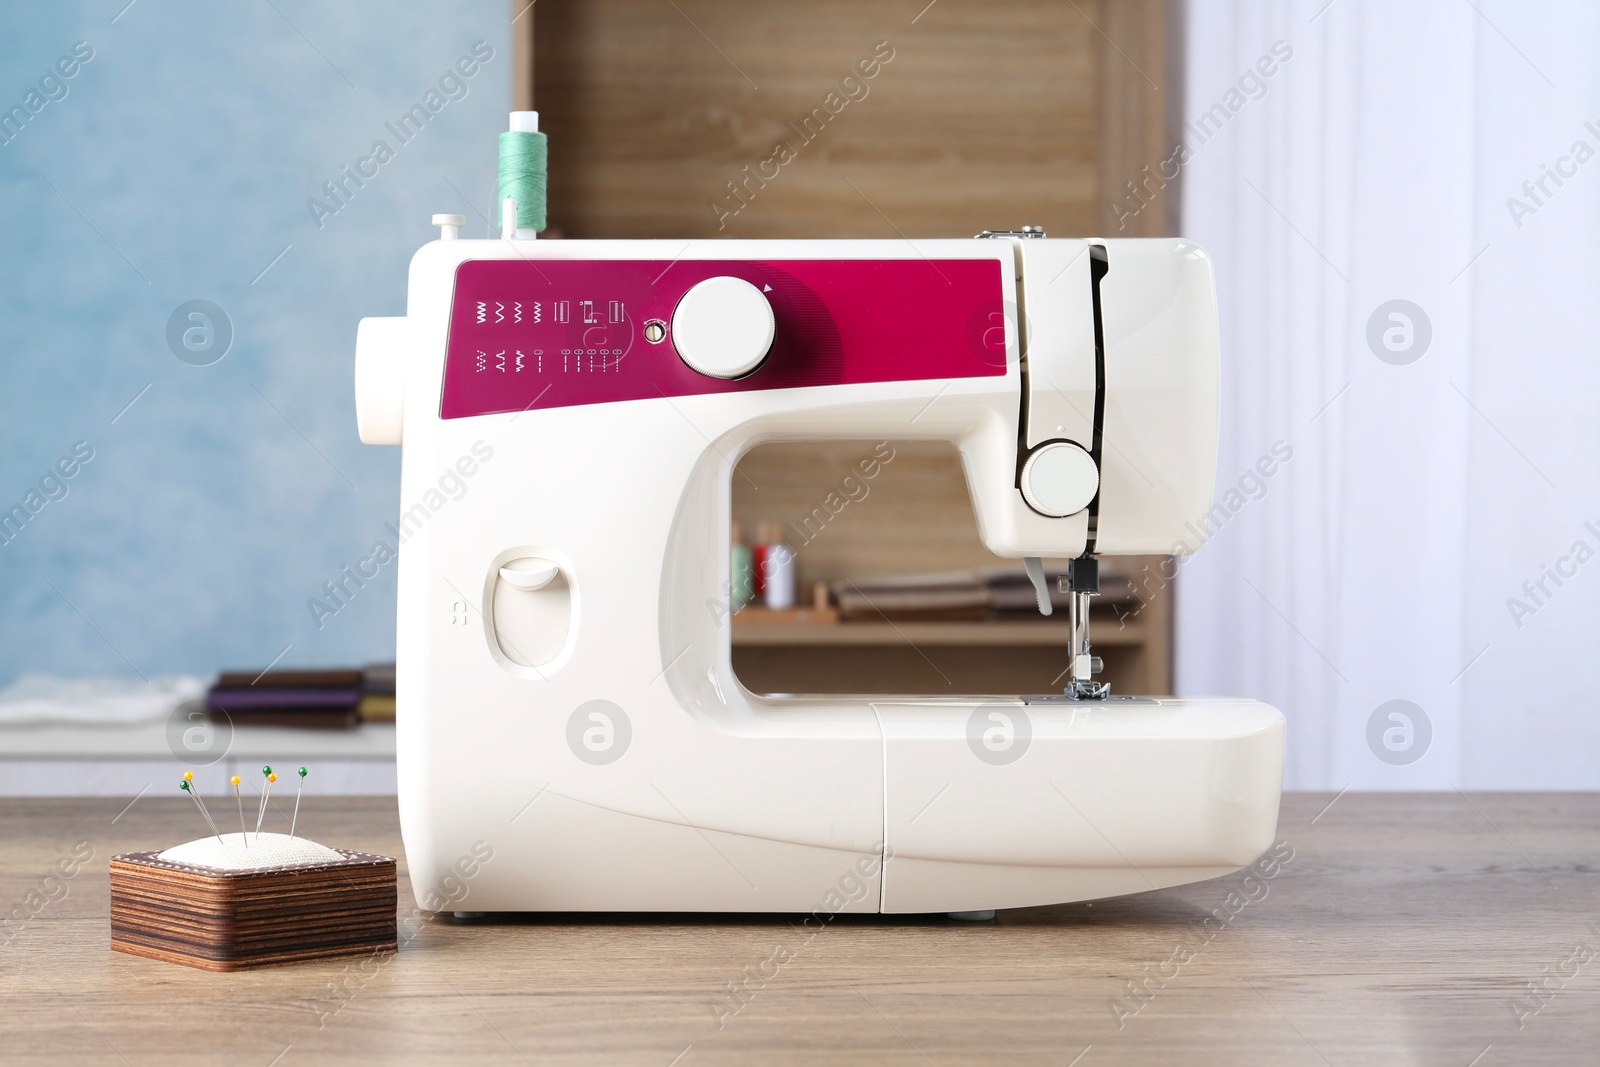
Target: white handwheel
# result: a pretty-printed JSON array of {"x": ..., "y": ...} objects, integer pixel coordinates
[{"x": 1059, "y": 479}]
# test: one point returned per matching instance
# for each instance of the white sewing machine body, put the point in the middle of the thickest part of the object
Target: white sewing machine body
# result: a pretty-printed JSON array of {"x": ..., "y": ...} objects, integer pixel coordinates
[{"x": 587, "y": 561}]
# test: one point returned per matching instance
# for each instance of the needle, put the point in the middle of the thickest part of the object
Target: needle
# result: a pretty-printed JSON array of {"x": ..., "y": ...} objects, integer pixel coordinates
[
  {"x": 243, "y": 836},
  {"x": 187, "y": 786},
  {"x": 266, "y": 791},
  {"x": 298, "y": 787}
]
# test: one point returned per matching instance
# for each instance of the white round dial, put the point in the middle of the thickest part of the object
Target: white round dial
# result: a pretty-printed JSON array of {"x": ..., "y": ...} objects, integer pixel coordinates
[
  {"x": 723, "y": 327},
  {"x": 1059, "y": 479}
]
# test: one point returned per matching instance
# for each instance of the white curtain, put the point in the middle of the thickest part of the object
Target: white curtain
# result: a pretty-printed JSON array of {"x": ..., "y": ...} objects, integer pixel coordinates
[{"x": 1445, "y": 450}]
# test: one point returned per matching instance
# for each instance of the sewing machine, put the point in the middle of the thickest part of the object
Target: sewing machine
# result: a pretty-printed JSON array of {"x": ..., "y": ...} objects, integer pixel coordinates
[{"x": 572, "y": 412}]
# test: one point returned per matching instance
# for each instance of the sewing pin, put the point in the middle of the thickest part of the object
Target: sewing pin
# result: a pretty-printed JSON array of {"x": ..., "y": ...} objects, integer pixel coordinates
[
  {"x": 266, "y": 791},
  {"x": 187, "y": 787},
  {"x": 268, "y": 802},
  {"x": 298, "y": 787},
  {"x": 234, "y": 781}
]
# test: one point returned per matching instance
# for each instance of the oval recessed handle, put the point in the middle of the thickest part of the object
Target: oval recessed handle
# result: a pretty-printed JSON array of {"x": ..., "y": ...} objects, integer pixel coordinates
[{"x": 530, "y": 573}]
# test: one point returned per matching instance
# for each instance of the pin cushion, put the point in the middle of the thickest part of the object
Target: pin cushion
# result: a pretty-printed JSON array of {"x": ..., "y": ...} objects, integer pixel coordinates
[
  {"x": 223, "y": 906},
  {"x": 229, "y": 902}
]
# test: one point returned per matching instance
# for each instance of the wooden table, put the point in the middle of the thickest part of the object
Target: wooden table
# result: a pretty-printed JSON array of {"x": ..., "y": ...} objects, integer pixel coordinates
[{"x": 1405, "y": 929}]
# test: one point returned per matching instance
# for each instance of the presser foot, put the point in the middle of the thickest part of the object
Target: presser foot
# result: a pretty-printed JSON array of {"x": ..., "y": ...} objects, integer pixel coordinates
[
  {"x": 1106, "y": 700},
  {"x": 1086, "y": 689}
]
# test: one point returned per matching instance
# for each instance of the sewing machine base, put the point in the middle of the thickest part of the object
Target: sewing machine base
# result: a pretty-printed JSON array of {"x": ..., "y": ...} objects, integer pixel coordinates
[{"x": 927, "y": 809}]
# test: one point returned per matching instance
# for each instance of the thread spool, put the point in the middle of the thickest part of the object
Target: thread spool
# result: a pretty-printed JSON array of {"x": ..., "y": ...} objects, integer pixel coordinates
[
  {"x": 778, "y": 588},
  {"x": 741, "y": 578},
  {"x": 758, "y": 563},
  {"x": 524, "y": 167}
]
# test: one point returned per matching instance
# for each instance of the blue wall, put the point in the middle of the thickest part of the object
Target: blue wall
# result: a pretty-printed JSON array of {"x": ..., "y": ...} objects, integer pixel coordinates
[{"x": 176, "y": 166}]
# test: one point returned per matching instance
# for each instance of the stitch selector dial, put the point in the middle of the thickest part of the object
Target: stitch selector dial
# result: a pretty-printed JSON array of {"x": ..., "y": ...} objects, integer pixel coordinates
[{"x": 723, "y": 327}]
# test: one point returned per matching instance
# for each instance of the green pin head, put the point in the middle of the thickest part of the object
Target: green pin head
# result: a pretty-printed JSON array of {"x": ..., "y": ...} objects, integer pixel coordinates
[
  {"x": 183, "y": 784},
  {"x": 302, "y": 772},
  {"x": 266, "y": 769}
]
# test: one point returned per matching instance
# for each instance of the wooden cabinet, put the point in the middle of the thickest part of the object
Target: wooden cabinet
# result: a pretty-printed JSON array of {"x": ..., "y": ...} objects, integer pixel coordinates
[{"x": 668, "y": 120}]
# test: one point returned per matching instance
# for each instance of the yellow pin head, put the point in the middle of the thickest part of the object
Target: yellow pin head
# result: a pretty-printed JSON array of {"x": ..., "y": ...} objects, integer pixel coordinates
[
  {"x": 188, "y": 776},
  {"x": 272, "y": 777},
  {"x": 234, "y": 780}
]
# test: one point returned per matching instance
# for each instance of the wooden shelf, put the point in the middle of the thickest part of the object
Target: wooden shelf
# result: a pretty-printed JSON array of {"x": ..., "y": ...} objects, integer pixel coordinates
[{"x": 996, "y": 632}]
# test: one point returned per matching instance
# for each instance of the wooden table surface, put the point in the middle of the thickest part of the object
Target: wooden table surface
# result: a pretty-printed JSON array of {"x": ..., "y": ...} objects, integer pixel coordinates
[{"x": 1404, "y": 929}]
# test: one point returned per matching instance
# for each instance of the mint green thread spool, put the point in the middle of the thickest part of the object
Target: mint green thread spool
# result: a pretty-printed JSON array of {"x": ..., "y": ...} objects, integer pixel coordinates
[
  {"x": 524, "y": 159},
  {"x": 742, "y": 574}
]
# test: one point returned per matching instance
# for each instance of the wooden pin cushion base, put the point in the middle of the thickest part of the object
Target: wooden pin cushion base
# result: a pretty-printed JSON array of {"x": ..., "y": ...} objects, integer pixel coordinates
[{"x": 221, "y": 920}]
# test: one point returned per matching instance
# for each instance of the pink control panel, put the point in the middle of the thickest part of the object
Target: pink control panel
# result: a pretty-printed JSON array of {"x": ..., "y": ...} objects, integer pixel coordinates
[{"x": 527, "y": 334}]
